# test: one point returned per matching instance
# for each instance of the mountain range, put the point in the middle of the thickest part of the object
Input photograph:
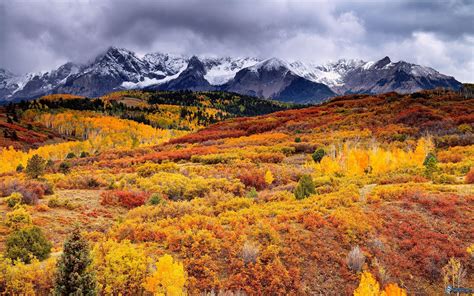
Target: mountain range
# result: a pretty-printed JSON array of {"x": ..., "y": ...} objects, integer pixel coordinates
[{"x": 273, "y": 78}]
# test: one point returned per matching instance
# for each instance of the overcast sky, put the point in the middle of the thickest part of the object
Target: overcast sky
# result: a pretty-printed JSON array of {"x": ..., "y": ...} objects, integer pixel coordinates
[{"x": 38, "y": 35}]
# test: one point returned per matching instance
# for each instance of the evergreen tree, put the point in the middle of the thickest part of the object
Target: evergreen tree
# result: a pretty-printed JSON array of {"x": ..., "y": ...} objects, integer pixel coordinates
[
  {"x": 20, "y": 168},
  {"x": 431, "y": 164},
  {"x": 24, "y": 243},
  {"x": 305, "y": 187},
  {"x": 318, "y": 155},
  {"x": 35, "y": 166},
  {"x": 74, "y": 276}
]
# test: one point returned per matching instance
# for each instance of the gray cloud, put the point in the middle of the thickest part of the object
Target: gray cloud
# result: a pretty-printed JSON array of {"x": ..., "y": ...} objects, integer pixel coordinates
[{"x": 39, "y": 35}]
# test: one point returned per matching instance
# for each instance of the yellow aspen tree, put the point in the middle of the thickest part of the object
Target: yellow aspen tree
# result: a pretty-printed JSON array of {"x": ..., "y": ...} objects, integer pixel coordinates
[
  {"x": 168, "y": 279},
  {"x": 422, "y": 148},
  {"x": 368, "y": 285},
  {"x": 269, "y": 177},
  {"x": 328, "y": 166}
]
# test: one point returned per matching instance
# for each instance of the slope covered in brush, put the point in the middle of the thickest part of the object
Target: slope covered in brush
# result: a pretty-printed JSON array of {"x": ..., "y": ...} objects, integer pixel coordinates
[{"x": 363, "y": 192}]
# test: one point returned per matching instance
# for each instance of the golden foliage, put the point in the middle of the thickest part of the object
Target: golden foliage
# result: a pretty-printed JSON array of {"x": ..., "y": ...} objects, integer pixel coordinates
[
  {"x": 269, "y": 177},
  {"x": 168, "y": 279},
  {"x": 120, "y": 266},
  {"x": 368, "y": 285}
]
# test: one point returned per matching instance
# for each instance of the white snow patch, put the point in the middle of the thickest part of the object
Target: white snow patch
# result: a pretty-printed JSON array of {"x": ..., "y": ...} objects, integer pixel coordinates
[
  {"x": 367, "y": 65},
  {"x": 223, "y": 70},
  {"x": 270, "y": 64},
  {"x": 330, "y": 74},
  {"x": 150, "y": 81},
  {"x": 422, "y": 71}
]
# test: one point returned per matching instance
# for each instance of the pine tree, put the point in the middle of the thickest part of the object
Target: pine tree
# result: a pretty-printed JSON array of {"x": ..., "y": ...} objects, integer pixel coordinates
[
  {"x": 74, "y": 276},
  {"x": 318, "y": 155},
  {"x": 35, "y": 166},
  {"x": 305, "y": 187},
  {"x": 431, "y": 164}
]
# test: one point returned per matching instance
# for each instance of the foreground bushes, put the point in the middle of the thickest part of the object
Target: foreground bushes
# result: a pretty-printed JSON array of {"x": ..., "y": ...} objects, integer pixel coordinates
[
  {"x": 35, "y": 278},
  {"x": 18, "y": 218}
]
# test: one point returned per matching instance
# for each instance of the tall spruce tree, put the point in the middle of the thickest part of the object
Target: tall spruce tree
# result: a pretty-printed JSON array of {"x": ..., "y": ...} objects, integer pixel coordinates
[{"x": 74, "y": 276}]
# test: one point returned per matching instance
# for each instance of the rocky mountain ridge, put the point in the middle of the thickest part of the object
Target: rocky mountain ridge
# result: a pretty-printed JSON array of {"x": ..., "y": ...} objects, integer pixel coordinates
[{"x": 271, "y": 78}]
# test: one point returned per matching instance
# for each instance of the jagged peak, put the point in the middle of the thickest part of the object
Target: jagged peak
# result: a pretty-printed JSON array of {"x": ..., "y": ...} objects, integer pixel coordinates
[
  {"x": 112, "y": 53},
  {"x": 196, "y": 65},
  {"x": 382, "y": 63},
  {"x": 121, "y": 50}
]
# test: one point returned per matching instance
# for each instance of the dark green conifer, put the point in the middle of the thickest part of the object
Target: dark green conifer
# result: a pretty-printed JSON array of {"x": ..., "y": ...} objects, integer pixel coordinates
[
  {"x": 74, "y": 275},
  {"x": 305, "y": 187}
]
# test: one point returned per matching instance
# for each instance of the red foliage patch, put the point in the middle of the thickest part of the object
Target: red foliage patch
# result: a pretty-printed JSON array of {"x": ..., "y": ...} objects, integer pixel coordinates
[
  {"x": 417, "y": 115},
  {"x": 470, "y": 177},
  {"x": 127, "y": 199},
  {"x": 178, "y": 154},
  {"x": 253, "y": 178}
]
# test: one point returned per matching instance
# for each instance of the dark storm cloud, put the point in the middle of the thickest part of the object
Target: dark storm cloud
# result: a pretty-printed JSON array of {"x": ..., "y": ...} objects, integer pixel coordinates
[
  {"x": 39, "y": 35},
  {"x": 450, "y": 19}
]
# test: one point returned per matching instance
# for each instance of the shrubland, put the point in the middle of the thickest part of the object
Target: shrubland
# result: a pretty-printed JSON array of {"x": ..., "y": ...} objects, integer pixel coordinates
[{"x": 374, "y": 198}]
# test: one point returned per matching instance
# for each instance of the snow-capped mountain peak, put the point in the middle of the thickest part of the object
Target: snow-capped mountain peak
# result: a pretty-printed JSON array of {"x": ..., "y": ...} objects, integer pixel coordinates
[
  {"x": 272, "y": 64},
  {"x": 119, "y": 68}
]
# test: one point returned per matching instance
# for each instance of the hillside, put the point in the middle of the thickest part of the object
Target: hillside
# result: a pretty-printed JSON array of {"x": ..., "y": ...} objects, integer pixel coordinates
[
  {"x": 305, "y": 201},
  {"x": 30, "y": 124}
]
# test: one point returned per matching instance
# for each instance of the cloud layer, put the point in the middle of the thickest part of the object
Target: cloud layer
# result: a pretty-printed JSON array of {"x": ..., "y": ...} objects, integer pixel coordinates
[{"x": 39, "y": 35}]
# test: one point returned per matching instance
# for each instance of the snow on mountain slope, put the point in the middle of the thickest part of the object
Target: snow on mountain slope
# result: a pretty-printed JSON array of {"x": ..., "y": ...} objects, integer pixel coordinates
[
  {"x": 272, "y": 64},
  {"x": 118, "y": 62},
  {"x": 222, "y": 70},
  {"x": 331, "y": 74},
  {"x": 166, "y": 64},
  {"x": 152, "y": 81}
]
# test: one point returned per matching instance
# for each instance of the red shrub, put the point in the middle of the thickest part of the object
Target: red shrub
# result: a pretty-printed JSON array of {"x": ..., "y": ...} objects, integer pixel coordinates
[
  {"x": 127, "y": 199},
  {"x": 253, "y": 178},
  {"x": 470, "y": 177}
]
